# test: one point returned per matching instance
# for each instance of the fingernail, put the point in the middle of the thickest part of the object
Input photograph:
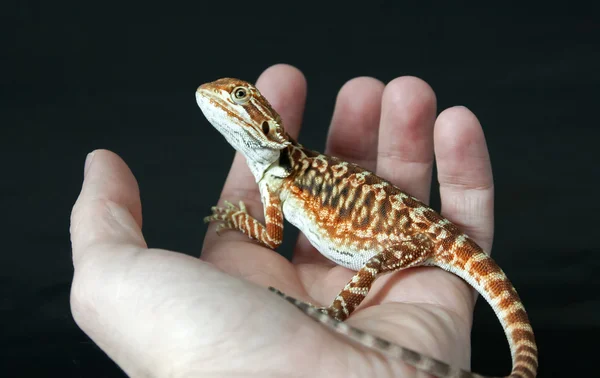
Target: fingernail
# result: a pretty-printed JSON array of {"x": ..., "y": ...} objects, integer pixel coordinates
[{"x": 88, "y": 162}]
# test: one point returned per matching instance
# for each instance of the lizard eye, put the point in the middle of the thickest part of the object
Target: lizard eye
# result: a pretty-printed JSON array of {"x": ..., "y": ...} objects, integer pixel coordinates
[{"x": 240, "y": 95}]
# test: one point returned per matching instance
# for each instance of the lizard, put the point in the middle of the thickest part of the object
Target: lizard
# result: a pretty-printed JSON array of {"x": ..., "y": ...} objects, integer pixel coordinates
[{"x": 357, "y": 220}]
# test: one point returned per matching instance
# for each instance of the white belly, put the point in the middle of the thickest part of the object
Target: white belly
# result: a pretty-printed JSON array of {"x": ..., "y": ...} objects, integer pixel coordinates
[{"x": 348, "y": 256}]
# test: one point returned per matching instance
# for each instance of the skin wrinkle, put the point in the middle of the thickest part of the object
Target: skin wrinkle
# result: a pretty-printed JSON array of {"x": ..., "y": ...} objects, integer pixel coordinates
[
  {"x": 424, "y": 307},
  {"x": 403, "y": 158},
  {"x": 450, "y": 182},
  {"x": 428, "y": 319},
  {"x": 314, "y": 336}
]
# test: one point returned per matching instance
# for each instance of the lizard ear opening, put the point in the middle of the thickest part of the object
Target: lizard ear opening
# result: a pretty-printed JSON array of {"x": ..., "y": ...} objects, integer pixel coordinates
[{"x": 266, "y": 127}]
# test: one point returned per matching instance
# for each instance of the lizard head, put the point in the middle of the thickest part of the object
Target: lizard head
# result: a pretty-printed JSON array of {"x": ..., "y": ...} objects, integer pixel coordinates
[{"x": 246, "y": 119}]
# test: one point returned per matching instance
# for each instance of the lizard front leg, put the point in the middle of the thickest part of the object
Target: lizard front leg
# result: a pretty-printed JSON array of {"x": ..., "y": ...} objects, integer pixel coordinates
[{"x": 237, "y": 218}]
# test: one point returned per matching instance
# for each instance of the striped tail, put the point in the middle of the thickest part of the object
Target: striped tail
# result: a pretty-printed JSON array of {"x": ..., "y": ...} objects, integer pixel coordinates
[
  {"x": 410, "y": 357},
  {"x": 468, "y": 261}
]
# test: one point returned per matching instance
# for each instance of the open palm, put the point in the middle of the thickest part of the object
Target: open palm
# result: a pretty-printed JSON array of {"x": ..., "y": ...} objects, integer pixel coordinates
[{"x": 159, "y": 313}]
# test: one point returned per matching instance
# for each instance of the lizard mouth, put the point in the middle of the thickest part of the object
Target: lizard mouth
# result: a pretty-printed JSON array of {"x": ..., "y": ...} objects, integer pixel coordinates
[
  {"x": 205, "y": 96},
  {"x": 214, "y": 107}
]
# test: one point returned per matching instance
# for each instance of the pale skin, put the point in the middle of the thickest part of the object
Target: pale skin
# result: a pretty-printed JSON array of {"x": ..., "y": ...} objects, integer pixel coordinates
[{"x": 159, "y": 313}]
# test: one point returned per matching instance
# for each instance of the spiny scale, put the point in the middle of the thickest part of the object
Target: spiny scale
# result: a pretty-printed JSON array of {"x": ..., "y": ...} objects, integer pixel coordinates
[{"x": 356, "y": 219}]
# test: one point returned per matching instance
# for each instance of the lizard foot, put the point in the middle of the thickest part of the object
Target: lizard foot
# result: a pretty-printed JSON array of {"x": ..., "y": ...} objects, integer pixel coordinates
[{"x": 226, "y": 216}]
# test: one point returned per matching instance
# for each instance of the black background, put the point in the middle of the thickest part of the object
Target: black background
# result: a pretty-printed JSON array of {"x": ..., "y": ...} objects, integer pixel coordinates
[{"x": 78, "y": 76}]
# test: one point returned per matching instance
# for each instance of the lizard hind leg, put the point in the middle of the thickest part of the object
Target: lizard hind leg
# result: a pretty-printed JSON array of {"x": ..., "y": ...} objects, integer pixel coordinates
[
  {"x": 409, "y": 253},
  {"x": 353, "y": 293}
]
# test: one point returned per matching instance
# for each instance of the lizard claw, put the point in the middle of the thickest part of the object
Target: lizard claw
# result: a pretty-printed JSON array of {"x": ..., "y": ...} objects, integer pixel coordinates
[{"x": 225, "y": 215}]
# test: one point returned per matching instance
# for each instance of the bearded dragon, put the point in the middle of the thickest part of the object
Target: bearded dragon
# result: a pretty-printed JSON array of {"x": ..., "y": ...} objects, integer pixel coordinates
[{"x": 356, "y": 219}]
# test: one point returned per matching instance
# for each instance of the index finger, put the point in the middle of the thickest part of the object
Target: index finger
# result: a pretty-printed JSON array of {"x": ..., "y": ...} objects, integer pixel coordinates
[{"x": 285, "y": 88}]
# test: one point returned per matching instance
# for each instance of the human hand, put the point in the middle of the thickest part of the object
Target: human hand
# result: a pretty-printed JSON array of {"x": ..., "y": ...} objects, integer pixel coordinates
[{"x": 159, "y": 313}]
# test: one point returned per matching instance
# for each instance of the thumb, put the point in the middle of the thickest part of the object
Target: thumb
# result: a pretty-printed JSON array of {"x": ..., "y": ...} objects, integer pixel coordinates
[{"x": 108, "y": 210}]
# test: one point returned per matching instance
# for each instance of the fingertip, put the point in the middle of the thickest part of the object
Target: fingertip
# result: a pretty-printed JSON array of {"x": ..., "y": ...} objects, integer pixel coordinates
[
  {"x": 108, "y": 208},
  {"x": 354, "y": 126},
  {"x": 411, "y": 91},
  {"x": 459, "y": 134},
  {"x": 282, "y": 70},
  {"x": 284, "y": 86},
  {"x": 408, "y": 115},
  {"x": 107, "y": 176},
  {"x": 359, "y": 97},
  {"x": 458, "y": 114},
  {"x": 363, "y": 83},
  {"x": 88, "y": 161}
]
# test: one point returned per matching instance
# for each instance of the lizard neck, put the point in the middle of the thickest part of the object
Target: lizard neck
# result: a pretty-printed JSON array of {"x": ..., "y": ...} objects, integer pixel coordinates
[
  {"x": 288, "y": 162},
  {"x": 259, "y": 168},
  {"x": 277, "y": 163}
]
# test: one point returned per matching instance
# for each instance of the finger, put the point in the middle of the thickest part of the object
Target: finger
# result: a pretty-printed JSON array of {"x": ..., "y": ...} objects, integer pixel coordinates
[
  {"x": 465, "y": 178},
  {"x": 108, "y": 209},
  {"x": 355, "y": 123},
  {"x": 465, "y": 174},
  {"x": 352, "y": 137},
  {"x": 285, "y": 88},
  {"x": 405, "y": 155}
]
